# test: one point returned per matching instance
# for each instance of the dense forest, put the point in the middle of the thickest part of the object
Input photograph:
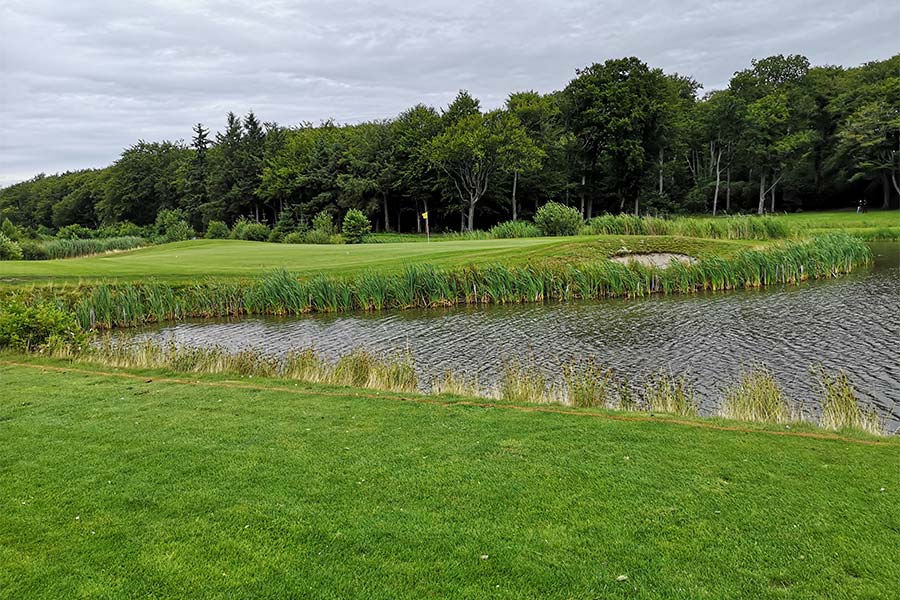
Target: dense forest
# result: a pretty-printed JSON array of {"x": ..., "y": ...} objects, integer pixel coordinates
[{"x": 620, "y": 137}]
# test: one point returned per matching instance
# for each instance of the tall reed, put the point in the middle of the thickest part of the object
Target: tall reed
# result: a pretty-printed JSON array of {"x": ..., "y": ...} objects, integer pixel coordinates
[
  {"x": 665, "y": 392},
  {"x": 71, "y": 248},
  {"x": 757, "y": 396},
  {"x": 282, "y": 293},
  {"x": 730, "y": 228},
  {"x": 842, "y": 408}
]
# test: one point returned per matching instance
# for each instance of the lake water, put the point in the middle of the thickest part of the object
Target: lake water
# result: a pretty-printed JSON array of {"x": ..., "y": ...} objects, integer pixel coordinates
[{"x": 851, "y": 323}]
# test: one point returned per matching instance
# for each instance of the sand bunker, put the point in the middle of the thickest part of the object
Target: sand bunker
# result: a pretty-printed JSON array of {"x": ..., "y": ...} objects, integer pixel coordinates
[{"x": 660, "y": 260}]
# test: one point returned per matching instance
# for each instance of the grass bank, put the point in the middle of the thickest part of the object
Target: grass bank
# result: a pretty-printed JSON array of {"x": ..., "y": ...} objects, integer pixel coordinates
[
  {"x": 135, "y": 483},
  {"x": 560, "y": 279},
  {"x": 184, "y": 262}
]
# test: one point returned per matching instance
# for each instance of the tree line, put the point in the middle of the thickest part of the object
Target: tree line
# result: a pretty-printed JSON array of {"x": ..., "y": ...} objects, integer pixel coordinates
[{"x": 620, "y": 137}]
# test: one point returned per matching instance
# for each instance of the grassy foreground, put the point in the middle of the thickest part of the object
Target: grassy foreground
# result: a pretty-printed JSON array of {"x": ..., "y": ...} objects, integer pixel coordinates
[{"x": 129, "y": 484}]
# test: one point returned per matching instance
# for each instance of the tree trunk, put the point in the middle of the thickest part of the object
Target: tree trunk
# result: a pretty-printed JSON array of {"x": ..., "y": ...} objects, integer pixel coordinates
[
  {"x": 256, "y": 210},
  {"x": 387, "y": 218},
  {"x": 660, "y": 171},
  {"x": 590, "y": 207},
  {"x": 582, "y": 195},
  {"x": 621, "y": 204},
  {"x": 772, "y": 205},
  {"x": 472, "y": 202},
  {"x": 637, "y": 207},
  {"x": 718, "y": 180},
  {"x": 515, "y": 181},
  {"x": 418, "y": 218},
  {"x": 728, "y": 190},
  {"x": 886, "y": 190},
  {"x": 762, "y": 194}
]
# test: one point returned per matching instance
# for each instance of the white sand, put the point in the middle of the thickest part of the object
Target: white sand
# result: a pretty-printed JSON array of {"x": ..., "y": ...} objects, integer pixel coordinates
[{"x": 660, "y": 260}]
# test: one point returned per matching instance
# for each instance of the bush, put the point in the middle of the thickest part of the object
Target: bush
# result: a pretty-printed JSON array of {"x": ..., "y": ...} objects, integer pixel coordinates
[
  {"x": 31, "y": 327},
  {"x": 8, "y": 229},
  {"x": 172, "y": 226},
  {"x": 557, "y": 219},
  {"x": 315, "y": 236},
  {"x": 34, "y": 250},
  {"x": 217, "y": 230},
  {"x": 515, "y": 229},
  {"x": 323, "y": 222},
  {"x": 9, "y": 250},
  {"x": 75, "y": 232},
  {"x": 129, "y": 229},
  {"x": 178, "y": 232},
  {"x": 248, "y": 230},
  {"x": 294, "y": 238},
  {"x": 356, "y": 226}
]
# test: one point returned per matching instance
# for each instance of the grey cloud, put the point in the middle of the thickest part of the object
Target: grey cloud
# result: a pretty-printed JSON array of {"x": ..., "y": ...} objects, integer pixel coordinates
[{"x": 81, "y": 80}]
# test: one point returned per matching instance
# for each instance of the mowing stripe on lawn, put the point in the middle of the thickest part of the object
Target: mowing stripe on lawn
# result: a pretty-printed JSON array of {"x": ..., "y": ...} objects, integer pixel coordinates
[{"x": 431, "y": 401}]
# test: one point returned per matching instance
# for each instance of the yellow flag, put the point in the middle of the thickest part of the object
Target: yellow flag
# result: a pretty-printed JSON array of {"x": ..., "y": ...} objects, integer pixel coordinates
[{"x": 425, "y": 215}]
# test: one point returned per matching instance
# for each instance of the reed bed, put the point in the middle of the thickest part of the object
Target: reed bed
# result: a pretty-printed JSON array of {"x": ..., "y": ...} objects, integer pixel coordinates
[
  {"x": 62, "y": 248},
  {"x": 727, "y": 228},
  {"x": 585, "y": 383},
  {"x": 423, "y": 286}
]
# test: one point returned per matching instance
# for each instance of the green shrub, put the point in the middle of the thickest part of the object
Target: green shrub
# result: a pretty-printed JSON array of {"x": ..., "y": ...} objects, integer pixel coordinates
[
  {"x": 294, "y": 237},
  {"x": 515, "y": 229},
  {"x": 8, "y": 229},
  {"x": 356, "y": 226},
  {"x": 32, "y": 327},
  {"x": 316, "y": 236},
  {"x": 245, "y": 229},
  {"x": 557, "y": 219},
  {"x": 75, "y": 232},
  {"x": 9, "y": 250},
  {"x": 34, "y": 250},
  {"x": 217, "y": 230},
  {"x": 129, "y": 229},
  {"x": 324, "y": 223},
  {"x": 172, "y": 226}
]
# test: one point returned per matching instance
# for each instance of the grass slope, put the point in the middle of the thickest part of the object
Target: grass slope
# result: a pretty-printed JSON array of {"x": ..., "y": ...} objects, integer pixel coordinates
[
  {"x": 121, "y": 487},
  {"x": 187, "y": 261}
]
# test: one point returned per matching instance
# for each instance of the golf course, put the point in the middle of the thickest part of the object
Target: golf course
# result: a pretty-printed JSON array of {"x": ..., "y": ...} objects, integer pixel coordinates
[{"x": 195, "y": 474}]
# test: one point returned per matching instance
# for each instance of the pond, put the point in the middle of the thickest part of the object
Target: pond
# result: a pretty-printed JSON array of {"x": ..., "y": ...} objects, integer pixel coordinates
[{"x": 852, "y": 323}]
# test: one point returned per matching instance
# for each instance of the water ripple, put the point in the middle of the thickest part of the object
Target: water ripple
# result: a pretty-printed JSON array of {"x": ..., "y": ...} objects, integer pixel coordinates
[{"x": 851, "y": 323}]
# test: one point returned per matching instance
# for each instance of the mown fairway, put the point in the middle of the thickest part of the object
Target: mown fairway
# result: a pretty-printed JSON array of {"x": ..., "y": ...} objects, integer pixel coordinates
[
  {"x": 185, "y": 261},
  {"x": 120, "y": 487}
]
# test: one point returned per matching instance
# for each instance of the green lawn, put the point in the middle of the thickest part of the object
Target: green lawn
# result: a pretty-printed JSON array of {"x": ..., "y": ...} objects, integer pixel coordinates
[
  {"x": 187, "y": 261},
  {"x": 848, "y": 219},
  {"x": 117, "y": 487}
]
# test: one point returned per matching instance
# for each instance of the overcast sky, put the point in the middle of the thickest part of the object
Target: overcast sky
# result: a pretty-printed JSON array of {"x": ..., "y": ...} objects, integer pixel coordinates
[{"x": 79, "y": 80}]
